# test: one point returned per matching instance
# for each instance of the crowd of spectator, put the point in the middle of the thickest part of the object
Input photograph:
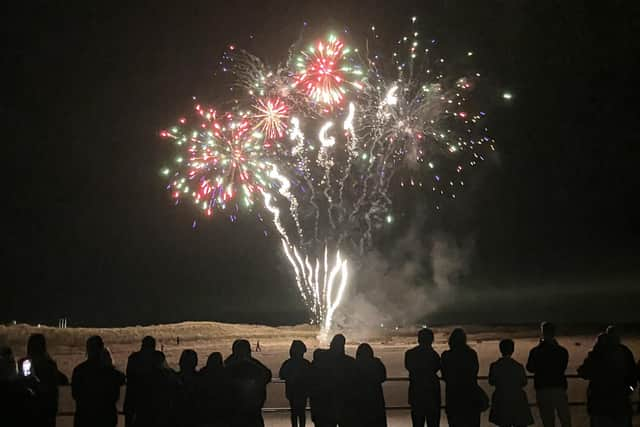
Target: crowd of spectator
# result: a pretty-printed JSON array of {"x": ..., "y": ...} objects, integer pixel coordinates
[{"x": 341, "y": 390}]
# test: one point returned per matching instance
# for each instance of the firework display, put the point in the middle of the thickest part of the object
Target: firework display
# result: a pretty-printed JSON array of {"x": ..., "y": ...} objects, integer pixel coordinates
[
  {"x": 220, "y": 161},
  {"x": 321, "y": 142},
  {"x": 322, "y": 70},
  {"x": 271, "y": 115}
]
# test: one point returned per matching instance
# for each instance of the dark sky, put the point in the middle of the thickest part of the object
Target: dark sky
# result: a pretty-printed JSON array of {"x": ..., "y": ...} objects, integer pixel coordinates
[{"x": 90, "y": 232}]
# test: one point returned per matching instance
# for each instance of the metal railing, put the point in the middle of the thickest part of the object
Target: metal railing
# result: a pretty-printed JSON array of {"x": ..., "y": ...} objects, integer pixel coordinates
[{"x": 388, "y": 408}]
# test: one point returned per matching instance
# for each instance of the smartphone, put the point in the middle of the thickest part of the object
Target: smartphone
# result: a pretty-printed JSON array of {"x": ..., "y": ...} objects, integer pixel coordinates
[{"x": 26, "y": 367}]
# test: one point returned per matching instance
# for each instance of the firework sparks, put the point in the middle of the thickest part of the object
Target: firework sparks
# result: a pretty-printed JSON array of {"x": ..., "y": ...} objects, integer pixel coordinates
[
  {"x": 326, "y": 141},
  {"x": 272, "y": 117},
  {"x": 323, "y": 69},
  {"x": 219, "y": 161}
]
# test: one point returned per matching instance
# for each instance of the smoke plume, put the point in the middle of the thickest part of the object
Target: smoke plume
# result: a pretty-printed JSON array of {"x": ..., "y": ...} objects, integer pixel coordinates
[{"x": 405, "y": 283}]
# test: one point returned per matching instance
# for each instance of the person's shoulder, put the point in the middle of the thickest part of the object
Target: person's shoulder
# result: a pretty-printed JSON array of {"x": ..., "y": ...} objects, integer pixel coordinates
[
  {"x": 413, "y": 350},
  {"x": 297, "y": 362},
  {"x": 259, "y": 364},
  {"x": 516, "y": 363},
  {"x": 346, "y": 362},
  {"x": 435, "y": 354},
  {"x": 135, "y": 356},
  {"x": 50, "y": 363},
  {"x": 626, "y": 350},
  {"x": 536, "y": 348},
  {"x": 116, "y": 372},
  {"x": 83, "y": 369},
  {"x": 82, "y": 366}
]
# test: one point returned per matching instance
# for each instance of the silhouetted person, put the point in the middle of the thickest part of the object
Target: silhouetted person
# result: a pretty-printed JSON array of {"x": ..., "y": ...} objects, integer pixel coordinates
[
  {"x": 548, "y": 362},
  {"x": 631, "y": 378},
  {"x": 15, "y": 394},
  {"x": 370, "y": 373},
  {"x": 95, "y": 386},
  {"x": 46, "y": 378},
  {"x": 249, "y": 379},
  {"x": 509, "y": 406},
  {"x": 214, "y": 399},
  {"x": 234, "y": 352},
  {"x": 295, "y": 373},
  {"x": 156, "y": 404},
  {"x": 320, "y": 389},
  {"x": 332, "y": 386},
  {"x": 638, "y": 379},
  {"x": 187, "y": 403},
  {"x": 610, "y": 371},
  {"x": 139, "y": 366},
  {"x": 464, "y": 400},
  {"x": 423, "y": 364},
  {"x": 341, "y": 371}
]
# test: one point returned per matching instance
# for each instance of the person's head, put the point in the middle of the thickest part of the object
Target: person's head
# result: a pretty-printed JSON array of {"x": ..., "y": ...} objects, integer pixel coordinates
[
  {"x": 234, "y": 347},
  {"x": 95, "y": 347},
  {"x": 364, "y": 351},
  {"x": 612, "y": 333},
  {"x": 457, "y": 339},
  {"x": 148, "y": 343},
  {"x": 188, "y": 361},
  {"x": 37, "y": 346},
  {"x": 548, "y": 330},
  {"x": 241, "y": 349},
  {"x": 506, "y": 347},
  {"x": 337, "y": 343},
  {"x": 8, "y": 367},
  {"x": 425, "y": 337},
  {"x": 297, "y": 349},
  {"x": 214, "y": 361}
]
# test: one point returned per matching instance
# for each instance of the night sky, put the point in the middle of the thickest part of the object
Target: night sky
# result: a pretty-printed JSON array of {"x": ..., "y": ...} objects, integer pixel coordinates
[{"x": 91, "y": 233}]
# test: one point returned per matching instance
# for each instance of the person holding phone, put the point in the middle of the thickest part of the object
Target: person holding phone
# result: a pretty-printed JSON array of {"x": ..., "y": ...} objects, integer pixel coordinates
[
  {"x": 15, "y": 394},
  {"x": 45, "y": 378}
]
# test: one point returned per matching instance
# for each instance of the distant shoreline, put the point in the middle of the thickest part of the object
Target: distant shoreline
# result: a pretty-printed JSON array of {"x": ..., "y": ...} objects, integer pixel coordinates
[{"x": 222, "y": 332}]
